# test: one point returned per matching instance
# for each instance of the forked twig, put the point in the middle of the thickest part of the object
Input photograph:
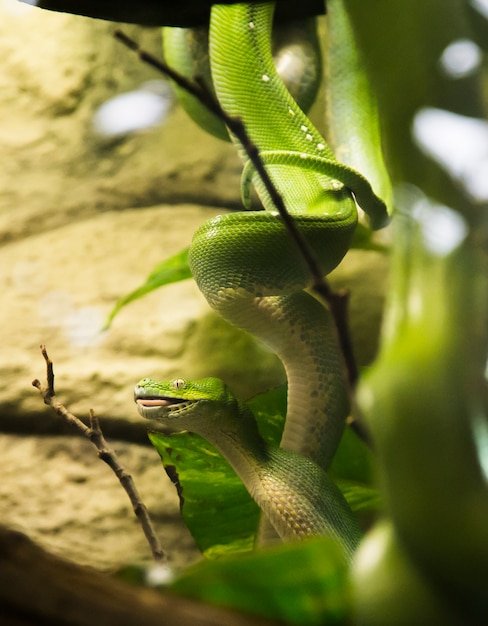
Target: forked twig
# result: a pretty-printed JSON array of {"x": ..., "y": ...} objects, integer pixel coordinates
[{"x": 106, "y": 454}]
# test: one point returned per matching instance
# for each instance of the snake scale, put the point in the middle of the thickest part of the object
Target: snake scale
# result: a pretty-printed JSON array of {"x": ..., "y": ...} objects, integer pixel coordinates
[{"x": 251, "y": 273}]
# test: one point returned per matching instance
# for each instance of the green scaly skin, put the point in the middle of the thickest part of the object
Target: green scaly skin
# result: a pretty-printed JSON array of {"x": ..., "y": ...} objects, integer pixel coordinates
[{"x": 296, "y": 495}]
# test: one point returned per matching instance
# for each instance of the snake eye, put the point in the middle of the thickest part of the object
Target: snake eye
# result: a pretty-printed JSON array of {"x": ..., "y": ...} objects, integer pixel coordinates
[{"x": 179, "y": 383}]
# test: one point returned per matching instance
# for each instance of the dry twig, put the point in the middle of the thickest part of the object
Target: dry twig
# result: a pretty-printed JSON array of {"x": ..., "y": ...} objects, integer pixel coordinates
[{"x": 106, "y": 454}]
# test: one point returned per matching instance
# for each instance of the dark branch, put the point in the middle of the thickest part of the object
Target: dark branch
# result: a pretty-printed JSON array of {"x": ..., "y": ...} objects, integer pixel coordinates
[{"x": 40, "y": 588}]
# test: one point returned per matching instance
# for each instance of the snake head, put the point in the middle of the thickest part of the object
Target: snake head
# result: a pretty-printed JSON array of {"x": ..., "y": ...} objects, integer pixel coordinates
[{"x": 180, "y": 399}]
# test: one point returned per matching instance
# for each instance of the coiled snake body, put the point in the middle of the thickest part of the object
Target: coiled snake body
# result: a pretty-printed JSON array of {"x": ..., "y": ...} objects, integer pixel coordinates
[{"x": 250, "y": 271}]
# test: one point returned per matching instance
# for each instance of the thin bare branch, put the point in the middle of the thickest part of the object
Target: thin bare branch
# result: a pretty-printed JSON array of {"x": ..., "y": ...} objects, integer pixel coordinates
[{"x": 95, "y": 435}]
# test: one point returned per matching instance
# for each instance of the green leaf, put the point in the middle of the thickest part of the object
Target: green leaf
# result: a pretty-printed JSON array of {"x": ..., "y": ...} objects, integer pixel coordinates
[
  {"x": 301, "y": 583},
  {"x": 352, "y": 470},
  {"x": 364, "y": 500},
  {"x": 215, "y": 505},
  {"x": 353, "y": 461},
  {"x": 269, "y": 409},
  {"x": 364, "y": 239},
  {"x": 171, "y": 270}
]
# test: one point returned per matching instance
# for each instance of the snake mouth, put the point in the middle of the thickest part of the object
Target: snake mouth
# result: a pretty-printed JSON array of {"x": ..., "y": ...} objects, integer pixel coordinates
[
  {"x": 148, "y": 401},
  {"x": 154, "y": 406}
]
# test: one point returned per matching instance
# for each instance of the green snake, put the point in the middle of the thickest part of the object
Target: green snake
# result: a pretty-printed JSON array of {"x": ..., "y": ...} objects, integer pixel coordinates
[
  {"x": 251, "y": 273},
  {"x": 292, "y": 491}
]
